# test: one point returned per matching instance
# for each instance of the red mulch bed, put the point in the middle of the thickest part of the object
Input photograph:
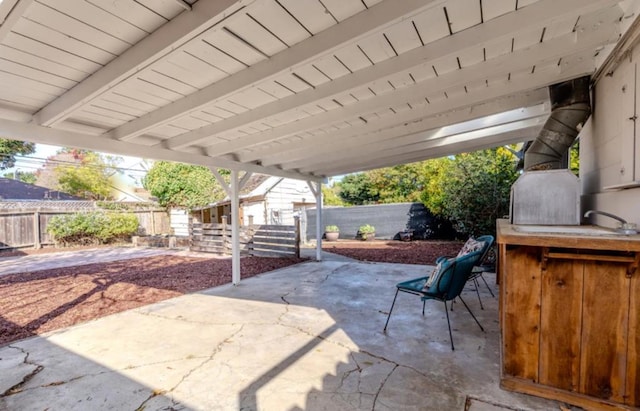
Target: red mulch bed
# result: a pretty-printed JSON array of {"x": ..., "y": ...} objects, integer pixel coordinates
[
  {"x": 41, "y": 301},
  {"x": 413, "y": 252}
]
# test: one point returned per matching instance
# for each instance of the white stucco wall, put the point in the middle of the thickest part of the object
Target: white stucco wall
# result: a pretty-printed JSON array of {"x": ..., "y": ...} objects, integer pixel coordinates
[
  {"x": 255, "y": 209},
  {"x": 278, "y": 206},
  {"x": 610, "y": 145},
  {"x": 281, "y": 198},
  {"x": 179, "y": 220}
]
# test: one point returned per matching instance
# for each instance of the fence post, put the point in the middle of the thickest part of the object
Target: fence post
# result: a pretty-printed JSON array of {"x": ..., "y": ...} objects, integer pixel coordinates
[
  {"x": 36, "y": 229},
  {"x": 296, "y": 221},
  {"x": 225, "y": 242},
  {"x": 153, "y": 222}
]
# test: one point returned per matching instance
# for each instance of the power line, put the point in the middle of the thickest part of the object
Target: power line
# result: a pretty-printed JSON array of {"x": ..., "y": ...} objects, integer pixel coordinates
[{"x": 43, "y": 161}]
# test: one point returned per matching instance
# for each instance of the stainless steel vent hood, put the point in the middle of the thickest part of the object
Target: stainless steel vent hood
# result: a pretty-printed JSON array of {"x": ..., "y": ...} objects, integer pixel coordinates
[{"x": 550, "y": 197}]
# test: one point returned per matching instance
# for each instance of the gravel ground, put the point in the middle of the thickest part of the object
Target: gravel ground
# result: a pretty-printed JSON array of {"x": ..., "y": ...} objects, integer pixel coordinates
[
  {"x": 413, "y": 252},
  {"x": 40, "y": 301},
  {"x": 36, "y": 302}
]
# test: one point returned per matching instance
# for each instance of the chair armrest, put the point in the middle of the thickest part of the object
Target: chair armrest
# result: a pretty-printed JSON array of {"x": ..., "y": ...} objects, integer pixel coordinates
[
  {"x": 442, "y": 258},
  {"x": 414, "y": 285}
]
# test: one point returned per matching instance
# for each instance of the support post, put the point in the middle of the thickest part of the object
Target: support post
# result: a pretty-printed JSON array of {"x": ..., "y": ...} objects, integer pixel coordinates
[
  {"x": 235, "y": 230},
  {"x": 233, "y": 191},
  {"x": 317, "y": 192},
  {"x": 296, "y": 222},
  {"x": 36, "y": 230},
  {"x": 225, "y": 243}
]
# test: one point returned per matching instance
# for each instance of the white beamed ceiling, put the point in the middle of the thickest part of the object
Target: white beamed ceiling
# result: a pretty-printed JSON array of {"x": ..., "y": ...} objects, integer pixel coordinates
[{"x": 298, "y": 88}]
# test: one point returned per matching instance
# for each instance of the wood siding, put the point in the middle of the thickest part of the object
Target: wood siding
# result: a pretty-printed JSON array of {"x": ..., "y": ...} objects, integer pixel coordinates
[{"x": 259, "y": 239}]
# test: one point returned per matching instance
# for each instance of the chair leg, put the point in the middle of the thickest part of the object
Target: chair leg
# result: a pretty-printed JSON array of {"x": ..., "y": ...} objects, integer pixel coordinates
[
  {"x": 487, "y": 284},
  {"x": 446, "y": 311},
  {"x": 474, "y": 317},
  {"x": 475, "y": 282},
  {"x": 423, "y": 304},
  {"x": 391, "y": 309}
]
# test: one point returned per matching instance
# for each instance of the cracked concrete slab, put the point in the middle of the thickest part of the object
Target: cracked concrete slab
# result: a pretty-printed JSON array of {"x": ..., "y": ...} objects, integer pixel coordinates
[
  {"x": 307, "y": 337},
  {"x": 15, "y": 368}
]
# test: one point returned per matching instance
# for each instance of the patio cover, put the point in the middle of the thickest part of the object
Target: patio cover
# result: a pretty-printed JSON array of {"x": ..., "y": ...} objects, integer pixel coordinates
[{"x": 295, "y": 88}]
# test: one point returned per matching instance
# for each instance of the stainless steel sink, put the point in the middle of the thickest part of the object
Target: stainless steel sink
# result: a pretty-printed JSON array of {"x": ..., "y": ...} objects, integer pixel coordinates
[{"x": 565, "y": 229}]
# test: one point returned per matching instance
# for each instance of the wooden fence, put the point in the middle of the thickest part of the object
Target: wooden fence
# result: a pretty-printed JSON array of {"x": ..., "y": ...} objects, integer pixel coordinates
[
  {"x": 262, "y": 240},
  {"x": 20, "y": 229}
]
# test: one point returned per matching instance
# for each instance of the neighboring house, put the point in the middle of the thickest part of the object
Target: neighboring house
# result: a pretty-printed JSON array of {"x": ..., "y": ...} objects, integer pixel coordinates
[
  {"x": 126, "y": 184},
  {"x": 265, "y": 200},
  {"x": 17, "y": 190}
]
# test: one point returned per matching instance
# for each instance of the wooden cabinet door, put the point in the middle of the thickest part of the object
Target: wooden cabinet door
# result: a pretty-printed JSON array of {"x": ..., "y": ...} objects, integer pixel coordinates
[
  {"x": 560, "y": 324},
  {"x": 605, "y": 320},
  {"x": 521, "y": 331}
]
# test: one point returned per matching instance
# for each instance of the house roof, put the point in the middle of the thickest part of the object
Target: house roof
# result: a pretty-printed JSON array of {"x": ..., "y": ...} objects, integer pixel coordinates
[
  {"x": 255, "y": 182},
  {"x": 255, "y": 189},
  {"x": 305, "y": 88},
  {"x": 17, "y": 190}
]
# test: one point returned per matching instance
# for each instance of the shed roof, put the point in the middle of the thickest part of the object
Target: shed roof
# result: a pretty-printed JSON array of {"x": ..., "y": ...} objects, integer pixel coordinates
[
  {"x": 17, "y": 190},
  {"x": 296, "y": 88}
]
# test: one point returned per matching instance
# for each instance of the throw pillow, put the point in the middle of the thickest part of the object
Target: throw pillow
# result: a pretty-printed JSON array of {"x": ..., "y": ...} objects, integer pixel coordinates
[
  {"x": 471, "y": 246},
  {"x": 433, "y": 279}
]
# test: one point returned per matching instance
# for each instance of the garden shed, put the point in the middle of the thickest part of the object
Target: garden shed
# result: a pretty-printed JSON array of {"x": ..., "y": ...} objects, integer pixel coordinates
[{"x": 263, "y": 200}]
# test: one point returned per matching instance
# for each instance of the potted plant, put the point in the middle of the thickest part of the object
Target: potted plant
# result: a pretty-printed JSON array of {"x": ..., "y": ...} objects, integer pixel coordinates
[
  {"x": 331, "y": 233},
  {"x": 366, "y": 232}
]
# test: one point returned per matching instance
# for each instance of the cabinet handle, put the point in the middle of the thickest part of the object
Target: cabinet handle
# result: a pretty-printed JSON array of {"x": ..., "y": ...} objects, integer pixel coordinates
[{"x": 632, "y": 260}]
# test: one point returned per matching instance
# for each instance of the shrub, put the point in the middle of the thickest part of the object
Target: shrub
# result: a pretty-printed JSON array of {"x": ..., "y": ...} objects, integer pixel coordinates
[
  {"x": 332, "y": 229},
  {"x": 92, "y": 228},
  {"x": 472, "y": 189},
  {"x": 367, "y": 229}
]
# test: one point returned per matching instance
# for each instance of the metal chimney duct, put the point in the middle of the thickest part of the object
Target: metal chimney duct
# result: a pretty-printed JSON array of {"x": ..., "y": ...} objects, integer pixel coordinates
[
  {"x": 570, "y": 109},
  {"x": 545, "y": 194}
]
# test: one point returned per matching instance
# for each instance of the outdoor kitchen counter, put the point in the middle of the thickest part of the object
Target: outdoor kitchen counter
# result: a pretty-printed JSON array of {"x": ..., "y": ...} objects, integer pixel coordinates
[
  {"x": 570, "y": 315},
  {"x": 512, "y": 234}
]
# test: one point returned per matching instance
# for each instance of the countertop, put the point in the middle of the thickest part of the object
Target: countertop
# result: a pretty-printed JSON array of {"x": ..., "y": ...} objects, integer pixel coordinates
[{"x": 511, "y": 234}]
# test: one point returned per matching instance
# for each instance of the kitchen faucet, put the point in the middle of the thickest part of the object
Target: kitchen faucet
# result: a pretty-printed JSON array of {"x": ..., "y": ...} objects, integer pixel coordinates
[
  {"x": 625, "y": 228},
  {"x": 615, "y": 217}
]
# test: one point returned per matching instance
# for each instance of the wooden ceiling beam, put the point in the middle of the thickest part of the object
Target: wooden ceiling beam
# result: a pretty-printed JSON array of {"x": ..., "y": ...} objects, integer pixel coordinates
[
  {"x": 538, "y": 54},
  {"x": 161, "y": 42},
  {"x": 46, "y": 135},
  {"x": 369, "y": 144},
  {"x": 536, "y": 15},
  {"x": 488, "y": 141},
  {"x": 352, "y": 29},
  {"x": 402, "y": 124}
]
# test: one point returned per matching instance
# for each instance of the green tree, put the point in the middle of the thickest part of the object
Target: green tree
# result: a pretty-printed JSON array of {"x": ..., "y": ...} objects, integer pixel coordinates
[
  {"x": 24, "y": 176},
  {"x": 574, "y": 157},
  {"x": 472, "y": 189},
  {"x": 330, "y": 196},
  {"x": 398, "y": 184},
  {"x": 182, "y": 185},
  {"x": 358, "y": 189},
  {"x": 9, "y": 149},
  {"x": 88, "y": 179}
]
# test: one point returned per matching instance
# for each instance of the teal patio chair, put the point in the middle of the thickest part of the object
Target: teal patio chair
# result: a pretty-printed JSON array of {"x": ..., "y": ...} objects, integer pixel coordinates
[
  {"x": 447, "y": 282},
  {"x": 480, "y": 269}
]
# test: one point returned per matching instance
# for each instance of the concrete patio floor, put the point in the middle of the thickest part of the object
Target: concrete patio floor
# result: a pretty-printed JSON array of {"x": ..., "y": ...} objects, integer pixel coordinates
[{"x": 306, "y": 337}]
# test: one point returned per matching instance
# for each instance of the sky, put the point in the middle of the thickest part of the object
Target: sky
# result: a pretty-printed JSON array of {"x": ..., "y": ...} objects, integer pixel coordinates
[{"x": 32, "y": 162}]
